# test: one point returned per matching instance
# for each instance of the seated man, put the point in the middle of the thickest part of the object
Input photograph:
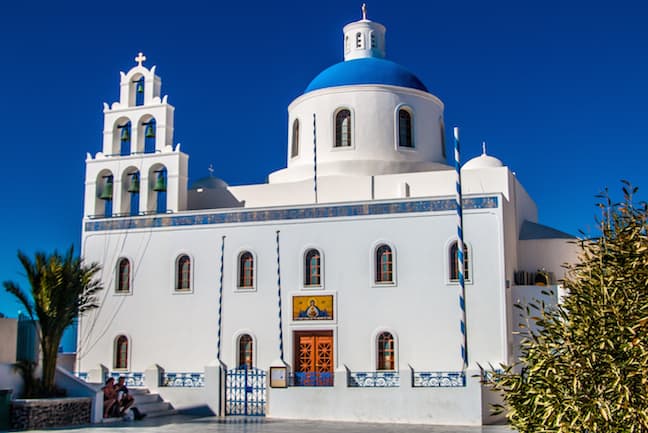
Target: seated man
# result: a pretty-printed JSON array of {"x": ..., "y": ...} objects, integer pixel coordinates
[
  {"x": 109, "y": 397},
  {"x": 125, "y": 400}
]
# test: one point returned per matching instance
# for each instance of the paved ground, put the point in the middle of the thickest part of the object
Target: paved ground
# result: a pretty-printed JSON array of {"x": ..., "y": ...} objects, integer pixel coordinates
[{"x": 185, "y": 424}]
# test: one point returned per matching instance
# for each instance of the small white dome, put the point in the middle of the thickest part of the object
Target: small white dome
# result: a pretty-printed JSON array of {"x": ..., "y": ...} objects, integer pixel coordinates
[{"x": 482, "y": 161}]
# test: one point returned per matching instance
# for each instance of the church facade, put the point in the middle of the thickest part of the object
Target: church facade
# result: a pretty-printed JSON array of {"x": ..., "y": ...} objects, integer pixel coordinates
[{"x": 330, "y": 292}]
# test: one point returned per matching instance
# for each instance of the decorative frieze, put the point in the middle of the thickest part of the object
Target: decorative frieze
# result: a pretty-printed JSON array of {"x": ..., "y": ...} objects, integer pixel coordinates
[
  {"x": 183, "y": 380},
  {"x": 439, "y": 379},
  {"x": 373, "y": 379}
]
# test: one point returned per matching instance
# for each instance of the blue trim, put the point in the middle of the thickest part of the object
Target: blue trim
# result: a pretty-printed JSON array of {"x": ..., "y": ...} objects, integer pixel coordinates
[
  {"x": 370, "y": 70},
  {"x": 289, "y": 214},
  {"x": 373, "y": 379},
  {"x": 182, "y": 380},
  {"x": 438, "y": 379}
]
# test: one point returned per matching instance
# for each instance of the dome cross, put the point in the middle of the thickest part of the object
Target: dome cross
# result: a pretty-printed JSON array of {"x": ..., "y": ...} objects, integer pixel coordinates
[
  {"x": 140, "y": 58},
  {"x": 364, "y": 11}
]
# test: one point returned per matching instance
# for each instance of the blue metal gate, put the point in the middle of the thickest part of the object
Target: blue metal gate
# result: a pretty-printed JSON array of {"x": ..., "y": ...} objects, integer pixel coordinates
[{"x": 245, "y": 392}]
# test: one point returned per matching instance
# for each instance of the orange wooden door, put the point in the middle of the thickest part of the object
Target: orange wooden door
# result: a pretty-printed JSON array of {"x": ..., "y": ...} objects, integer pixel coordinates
[{"x": 315, "y": 353}]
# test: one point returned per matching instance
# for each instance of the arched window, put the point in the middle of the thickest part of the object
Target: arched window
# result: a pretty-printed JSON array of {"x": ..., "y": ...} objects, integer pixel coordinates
[
  {"x": 343, "y": 128},
  {"x": 358, "y": 40},
  {"x": 183, "y": 273},
  {"x": 454, "y": 262},
  {"x": 312, "y": 268},
  {"x": 123, "y": 276},
  {"x": 405, "y": 128},
  {"x": 384, "y": 264},
  {"x": 246, "y": 270},
  {"x": 386, "y": 360},
  {"x": 149, "y": 129},
  {"x": 245, "y": 351},
  {"x": 121, "y": 353},
  {"x": 294, "y": 150}
]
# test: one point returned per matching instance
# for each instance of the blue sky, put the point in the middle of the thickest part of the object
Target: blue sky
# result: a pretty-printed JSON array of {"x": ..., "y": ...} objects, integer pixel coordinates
[{"x": 558, "y": 89}]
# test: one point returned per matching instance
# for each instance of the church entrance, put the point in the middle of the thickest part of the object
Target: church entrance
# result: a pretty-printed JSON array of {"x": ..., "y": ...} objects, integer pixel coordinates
[{"x": 313, "y": 358}]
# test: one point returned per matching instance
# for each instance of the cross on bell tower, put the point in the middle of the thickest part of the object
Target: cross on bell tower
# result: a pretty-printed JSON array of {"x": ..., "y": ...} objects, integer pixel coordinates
[{"x": 141, "y": 58}]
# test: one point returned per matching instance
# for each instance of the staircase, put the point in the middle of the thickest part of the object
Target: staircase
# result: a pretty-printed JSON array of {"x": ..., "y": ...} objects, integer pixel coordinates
[{"x": 151, "y": 404}]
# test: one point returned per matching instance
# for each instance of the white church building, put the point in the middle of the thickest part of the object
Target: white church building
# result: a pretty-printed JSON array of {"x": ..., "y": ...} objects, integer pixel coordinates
[{"x": 329, "y": 292}]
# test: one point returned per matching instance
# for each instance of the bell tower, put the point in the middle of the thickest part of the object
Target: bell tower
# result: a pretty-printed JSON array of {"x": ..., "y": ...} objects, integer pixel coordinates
[{"x": 138, "y": 171}]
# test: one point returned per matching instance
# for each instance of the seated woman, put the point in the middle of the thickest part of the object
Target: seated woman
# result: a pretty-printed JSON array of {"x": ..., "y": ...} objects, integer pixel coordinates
[{"x": 109, "y": 397}]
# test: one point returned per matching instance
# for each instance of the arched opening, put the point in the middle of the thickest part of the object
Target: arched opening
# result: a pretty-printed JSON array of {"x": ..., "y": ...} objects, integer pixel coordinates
[
  {"x": 343, "y": 128},
  {"x": 294, "y": 149},
  {"x": 125, "y": 138},
  {"x": 359, "y": 41},
  {"x": 386, "y": 352},
  {"x": 245, "y": 351},
  {"x": 148, "y": 132},
  {"x": 183, "y": 273},
  {"x": 104, "y": 186},
  {"x": 157, "y": 196},
  {"x": 454, "y": 262},
  {"x": 139, "y": 91},
  {"x": 133, "y": 189},
  {"x": 405, "y": 128},
  {"x": 312, "y": 268},
  {"x": 246, "y": 270},
  {"x": 384, "y": 264},
  {"x": 121, "y": 353}
]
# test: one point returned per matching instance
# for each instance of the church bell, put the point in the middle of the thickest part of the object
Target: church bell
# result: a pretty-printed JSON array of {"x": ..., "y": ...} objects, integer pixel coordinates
[
  {"x": 150, "y": 132},
  {"x": 107, "y": 190},
  {"x": 140, "y": 87},
  {"x": 160, "y": 182},
  {"x": 125, "y": 134},
  {"x": 134, "y": 185}
]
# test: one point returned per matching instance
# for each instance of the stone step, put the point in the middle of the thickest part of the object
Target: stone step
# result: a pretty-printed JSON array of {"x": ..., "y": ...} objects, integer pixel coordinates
[
  {"x": 146, "y": 398},
  {"x": 159, "y": 413},
  {"x": 157, "y": 406}
]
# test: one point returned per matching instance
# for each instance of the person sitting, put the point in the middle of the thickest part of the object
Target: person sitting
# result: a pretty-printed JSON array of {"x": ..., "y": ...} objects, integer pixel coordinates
[
  {"x": 126, "y": 400},
  {"x": 109, "y": 398}
]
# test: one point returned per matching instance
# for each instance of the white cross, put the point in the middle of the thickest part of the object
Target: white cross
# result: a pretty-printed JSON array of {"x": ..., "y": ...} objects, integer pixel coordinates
[
  {"x": 140, "y": 58},
  {"x": 364, "y": 11},
  {"x": 211, "y": 169}
]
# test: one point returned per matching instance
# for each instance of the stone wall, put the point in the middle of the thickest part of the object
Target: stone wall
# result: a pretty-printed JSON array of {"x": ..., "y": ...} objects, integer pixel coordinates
[{"x": 42, "y": 413}]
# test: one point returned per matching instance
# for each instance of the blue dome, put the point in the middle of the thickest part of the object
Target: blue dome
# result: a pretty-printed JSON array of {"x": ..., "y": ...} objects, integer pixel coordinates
[{"x": 369, "y": 70}]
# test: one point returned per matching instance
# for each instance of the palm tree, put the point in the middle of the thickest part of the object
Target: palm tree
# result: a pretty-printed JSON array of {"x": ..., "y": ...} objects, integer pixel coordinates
[{"x": 62, "y": 288}]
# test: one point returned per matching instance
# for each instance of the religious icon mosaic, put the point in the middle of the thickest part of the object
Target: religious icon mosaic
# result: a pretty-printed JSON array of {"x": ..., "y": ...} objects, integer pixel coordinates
[{"x": 313, "y": 307}]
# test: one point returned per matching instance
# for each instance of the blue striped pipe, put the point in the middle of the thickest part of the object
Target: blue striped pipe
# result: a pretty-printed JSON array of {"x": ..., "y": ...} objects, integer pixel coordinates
[
  {"x": 281, "y": 346},
  {"x": 460, "y": 251},
  {"x": 315, "y": 155},
  {"x": 220, "y": 300}
]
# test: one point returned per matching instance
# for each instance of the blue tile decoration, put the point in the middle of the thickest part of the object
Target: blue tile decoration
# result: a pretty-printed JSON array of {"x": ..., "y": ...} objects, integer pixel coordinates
[
  {"x": 373, "y": 379},
  {"x": 132, "y": 379},
  {"x": 491, "y": 375},
  {"x": 311, "y": 378},
  {"x": 439, "y": 379},
  {"x": 288, "y": 214},
  {"x": 183, "y": 380}
]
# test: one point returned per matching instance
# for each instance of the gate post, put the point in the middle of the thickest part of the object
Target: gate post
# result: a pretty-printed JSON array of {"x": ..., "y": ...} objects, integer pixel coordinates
[{"x": 215, "y": 387}]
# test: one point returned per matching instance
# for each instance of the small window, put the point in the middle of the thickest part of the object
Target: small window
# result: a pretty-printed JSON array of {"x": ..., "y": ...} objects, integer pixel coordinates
[
  {"x": 386, "y": 360},
  {"x": 312, "y": 268},
  {"x": 454, "y": 262},
  {"x": 123, "y": 276},
  {"x": 405, "y": 128},
  {"x": 245, "y": 351},
  {"x": 343, "y": 128},
  {"x": 294, "y": 150},
  {"x": 359, "y": 40},
  {"x": 183, "y": 274},
  {"x": 121, "y": 353},
  {"x": 372, "y": 37},
  {"x": 346, "y": 44},
  {"x": 246, "y": 270},
  {"x": 384, "y": 264}
]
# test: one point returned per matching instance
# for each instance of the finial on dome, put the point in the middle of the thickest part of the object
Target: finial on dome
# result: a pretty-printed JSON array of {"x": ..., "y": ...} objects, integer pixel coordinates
[
  {"x": 483, "y": 148},
  {"x": 364, "y": 11},
  {"x": 211, "y": 170},
  {"x": 140, "y": 58}
]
